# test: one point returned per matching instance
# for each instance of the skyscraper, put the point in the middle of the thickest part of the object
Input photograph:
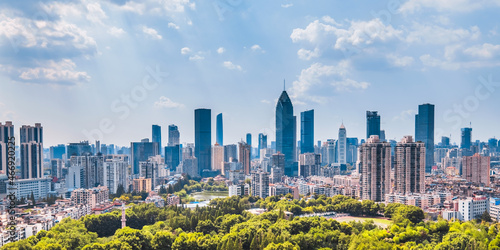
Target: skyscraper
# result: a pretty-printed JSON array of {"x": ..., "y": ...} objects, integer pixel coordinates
[
  {"x": 249, "y": 139},
  {"x": 173, "y": 135},
  {"x": 307, "y": 131},
  {"x": 352, "y": 150},
  {"x": 173, "y": 157},
  {"x": 372, "y": 124},
  {"x": 445, "y": 141},
  {"x": 156, "y": 137},
  {"x": 78, "y": 149},
  {"x": 218, "y": 158},
  {"x": 6, "y": 131},
  {"x": 230, "y": 151},
  {"x": 219, "y": 137},
  {"x": 141, "y": 151},
  {"x": 309, "y": 164},
  {"x": 203, "y": 139},
  {"x": 244, "y": 156},
  {"x": 424, "y": 132},
  {"x": 375, "y": 167},
  {"x": 466, "y": 138},
  {"x": 31, "y": 151},
  {"x": 260, "y": 184},
  {"x": 286, "y": 131},
  {"x": 342, "y": 145},
  {"x": 409, "y": 172},
  {"x": 476, "y": 169},
  {"x": 262, "y": 143},
  {"x": 493, "y": 144}
]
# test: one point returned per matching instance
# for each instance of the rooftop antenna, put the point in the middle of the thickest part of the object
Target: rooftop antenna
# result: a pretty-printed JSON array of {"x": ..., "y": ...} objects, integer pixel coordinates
[{"x": 284, "y": 85}]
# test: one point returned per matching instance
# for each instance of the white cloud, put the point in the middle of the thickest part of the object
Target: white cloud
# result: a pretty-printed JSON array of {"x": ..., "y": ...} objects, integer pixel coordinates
[
  {"x": 231, "y": 66},
  {"x": 173, "y": 26},
  {"x": 54, "y": 72},
  {"x": 196, "y": 58},
  {"x": 95, "y": 13},
  {"x": 433, "y": 34},
  {"x": 305, "y": 54},
  {"x": 115, "y": 31},
  {"x": 185, "y": 50},
  {"x": 412, "y": 6},
  {"x": 400, "y": 61},
  {"x": 152, "y": 33},
  {"x": 317, "y": 82},
  {"x": 256, "y": 47},
  {"x": 405, "y": 115},
  {"x": 165, "y": 102},
  {"x": 430, "y": 61},
  {"x": 486, "y": 51},
  {"x": 221, "y": 50},
  {"x": 330, "y": 20},
  {"x": 132, "y": 6},
  {"x": 288, "y": 5},
  {"x": 265, "y": 101},
  {"x": 158, "y": 7}
]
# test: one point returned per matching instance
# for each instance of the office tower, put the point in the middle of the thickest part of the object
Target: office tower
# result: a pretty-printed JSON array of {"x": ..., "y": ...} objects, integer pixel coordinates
[
  {"x": 330, "y": 151},
  {"x": 78, "y": 149},
  {"x": 218, "y": 158},
  {"x": 492, "y": 145},
  {"x": 424, "y": 132},
  {"x": 476, "y": 169},
  {"x": 372, "y": 124},
  {"x": 57, "y": 152},
  {"x": 31, "y": 151},
  {"x": 156, "y": 137},
  {"x": 262, "y": 143},
  {"x": 188, "y": 151},
  {"x": 189, "y": 166},
  {"x": 173, "y": 157},
  {"x": 375, "y": 167},
  {"x": 6, "y": 131},
  {"x": 91, "y": 168},
  {"x": 104, "y": 149},
  {"x": 115, "y": 174},
  {"x": 203, "y": 139},
  {"x": 249, "y": 139},
  {"x": 466, "y": 138},
  {"x": 277, "y": 167},
  {"x": 56, "y": 166},
  {"x": 173, "y": 135},
  {"x": 445, "y": 141},
  {"x": 307, "y": 131},
  {"x": 285, "y": 131},
  {"x": 352, "y": 150},
  {"x": 97, "y": 147},
  {"x": 309, "y": 164},
  {"x": 150, "y": 169},
  {"x": 342, "y": 145},
  {"x": 260, "y": 184},
  {"x": 409, "y": 169},
  {"x": 141, "y": 151},
  {"x": 230, "y": 151},
  {"x": 219, "y": 133},
  {"x": 244, "y": 156}
]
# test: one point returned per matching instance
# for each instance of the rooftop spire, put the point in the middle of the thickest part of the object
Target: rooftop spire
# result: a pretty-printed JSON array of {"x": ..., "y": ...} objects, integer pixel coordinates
[{"x": 284, "y": 85}]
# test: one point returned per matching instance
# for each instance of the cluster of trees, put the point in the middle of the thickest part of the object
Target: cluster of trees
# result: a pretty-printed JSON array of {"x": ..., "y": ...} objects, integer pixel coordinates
[{"x": 226, "y": 225}]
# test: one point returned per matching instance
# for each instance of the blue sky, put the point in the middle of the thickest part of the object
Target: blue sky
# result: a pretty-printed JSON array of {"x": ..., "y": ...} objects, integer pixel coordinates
[{"x": 113, "y": 68}]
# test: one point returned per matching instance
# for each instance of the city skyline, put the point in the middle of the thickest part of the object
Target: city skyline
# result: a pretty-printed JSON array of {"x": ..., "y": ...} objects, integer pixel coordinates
[{"x": 412, "y": 55}]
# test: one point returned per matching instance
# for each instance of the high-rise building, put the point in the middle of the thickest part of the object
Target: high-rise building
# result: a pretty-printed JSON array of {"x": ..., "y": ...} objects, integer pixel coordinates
[
  {"x": 372, "y": 124},
  {"x": 56, "y": 166},
  {"x": 31, "y": 151},
  {"x": 57, "y": 152},
  {"x": 260, "y": 184},
  {"x": 342, "y": 145},
  {"x": 189, "y": 166},
  {"x": 91, "y": 167},
  {"x": 424, "y": 132},
  {"x": 78, "y": 149},
  {"x": 244, "y": 156},
  {"x": 141, "y": 151},
  {"x": 156, "y": 137},
  {"x": 218, "y": 158},
  {"x": 409, "y": 169},
  {"x": 330, "y": 151},
  {"x": 309, "y": 164},
  {"x": 6, "y": 132},
  {"x": 219, "y": 136},
  {"x": 307, "y": 131},
  {"x": 445, "y": 141},
  {"x": 493, "y": 145},
  {"x": 115, "y": 174},
  {"x": 466, "y": 138},
  {"x": 249, "y": 139},
  {"x": 230, "y": 151},
  {"x": 173, "y": 135},
  {"x": 173, "y": 157},
  {"x": 286, "y": 131},
  {"x": 476, "y": 169},
  {"x": 150, "y": 169},
  {"x": 382, "y": 135},
  {"x": 352, "y": 150},
  {"x": 375, "y": 168},
  {"x": 203, "y": 139},
  {"x": 262, "y": 143}
]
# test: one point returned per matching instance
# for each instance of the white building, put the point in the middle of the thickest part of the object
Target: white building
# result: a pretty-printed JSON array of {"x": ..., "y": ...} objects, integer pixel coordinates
[
  {"x": 472, "y": 208},
  {"x": 260, "y": 184},
  {"x": 239, "y": 190},
  {"x": 24, "y": 187},
  {"x": 495, "y": 209},
  {"x": 115, "y": 173}
]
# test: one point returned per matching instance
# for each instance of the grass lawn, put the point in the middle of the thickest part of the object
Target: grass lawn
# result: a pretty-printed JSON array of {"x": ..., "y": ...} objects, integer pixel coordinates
[{"x": 378, "y": 221}]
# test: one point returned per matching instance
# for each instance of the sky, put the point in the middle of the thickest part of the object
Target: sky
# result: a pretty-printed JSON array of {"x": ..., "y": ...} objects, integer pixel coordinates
[{"x": 108, "y": 70}]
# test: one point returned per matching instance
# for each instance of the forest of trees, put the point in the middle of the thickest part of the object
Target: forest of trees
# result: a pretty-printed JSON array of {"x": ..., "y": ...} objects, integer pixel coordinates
[{"x": 226, "y": 225}]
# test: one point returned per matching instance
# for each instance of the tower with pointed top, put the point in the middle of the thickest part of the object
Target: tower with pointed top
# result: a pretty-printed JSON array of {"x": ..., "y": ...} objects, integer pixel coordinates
[
  {"x": 286, "y": 131},
  {"x": 124, "y": 219},
  {"x": 342, "y": 145}
]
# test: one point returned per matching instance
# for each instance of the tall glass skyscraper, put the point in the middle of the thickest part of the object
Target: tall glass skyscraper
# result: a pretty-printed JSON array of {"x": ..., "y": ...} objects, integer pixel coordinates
[
  {"x": 141, "y": 151},
  {"x": 424, "y": 132},
  {"x": 156, "y": 137},
  {"x": 372, "y": 124},
  {"x": 219, "y": 136},
  {"x": 203, "y": 139},
  {"x": 173, "y": 135},
  {"x": 262, "y": 143},
  {"x": 466, "y": 138},
  {"x": 342, "y": 145},
  {"x": 249, "y": 139},
  {"x": 286, "y": 131},
  {"x": 307, "y": 131}
]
